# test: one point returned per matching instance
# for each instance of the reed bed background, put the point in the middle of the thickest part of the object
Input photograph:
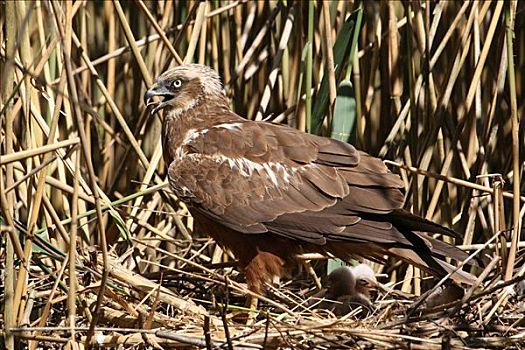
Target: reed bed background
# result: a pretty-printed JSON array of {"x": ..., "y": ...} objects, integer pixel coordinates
[{"x": 96, "y": 247}]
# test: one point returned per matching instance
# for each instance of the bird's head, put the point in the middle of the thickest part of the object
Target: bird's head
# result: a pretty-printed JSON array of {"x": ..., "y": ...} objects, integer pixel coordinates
[
  {"x": 340, "y": 281},
  {"x": 365, "y": 279},
  {"x": 183, "y": 87}
]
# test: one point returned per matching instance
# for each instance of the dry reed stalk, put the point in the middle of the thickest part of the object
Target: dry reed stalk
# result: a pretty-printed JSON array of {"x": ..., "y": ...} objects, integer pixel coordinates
[
  {"x": 66, "y": 36},
  {"x": 444, "y": 279},
  {"x": 451, "y": 179},
  {"x": 509, "y": 22},
  {"x": 308, "y": 67},
  {"x": 47, "y": 308},
  {"x": 131, "y": 40},
  {"x": 7, "y": 200},
  {"x": 35, "y": 151},
  {"x": 159, "y": 30},
  {"x": 272, "y": 79},
  {"x": 199, "y": 20},
  {"x": 115, "y": 109},
  {"x": 329, "y": 61},
  {"x": 73, "y": 282}
]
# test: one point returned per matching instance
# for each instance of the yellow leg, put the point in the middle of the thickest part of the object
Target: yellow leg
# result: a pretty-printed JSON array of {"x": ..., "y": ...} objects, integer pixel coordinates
[{"x": 251, "y": 304}]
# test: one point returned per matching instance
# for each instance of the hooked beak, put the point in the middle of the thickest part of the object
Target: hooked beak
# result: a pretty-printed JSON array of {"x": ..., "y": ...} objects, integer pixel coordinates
[{"x": 157, "y": 90}]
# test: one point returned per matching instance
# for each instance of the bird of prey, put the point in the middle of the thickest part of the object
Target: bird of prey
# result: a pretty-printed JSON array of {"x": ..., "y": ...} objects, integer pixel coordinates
[
  {"x": 365, "y": 279},
  {"x": 346, "y": 289},
  {"x": 268, "y": 192}
]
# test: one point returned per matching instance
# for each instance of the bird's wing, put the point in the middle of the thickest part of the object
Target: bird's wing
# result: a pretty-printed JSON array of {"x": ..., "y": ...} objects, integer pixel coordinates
[{"x": 260, "y": 177}]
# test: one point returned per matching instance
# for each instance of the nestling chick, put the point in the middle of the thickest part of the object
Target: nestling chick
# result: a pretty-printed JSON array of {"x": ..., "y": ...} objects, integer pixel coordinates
[{"x": 347, "y": 289}]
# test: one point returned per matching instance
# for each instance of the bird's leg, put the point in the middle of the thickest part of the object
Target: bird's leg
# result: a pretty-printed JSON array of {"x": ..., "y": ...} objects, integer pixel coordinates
[
  {"x": 263, "y": 267},
  {"x": 251, "y": 303},
  {"x": 249, "y": 312}
]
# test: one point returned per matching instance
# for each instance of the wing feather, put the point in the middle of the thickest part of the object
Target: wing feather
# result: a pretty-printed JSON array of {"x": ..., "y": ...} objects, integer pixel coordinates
[
  {"x": 260, "y": 177},
  {"x": 267, "y": 170}
]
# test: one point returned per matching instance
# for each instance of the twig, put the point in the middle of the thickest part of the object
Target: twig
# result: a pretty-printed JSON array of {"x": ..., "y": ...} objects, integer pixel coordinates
[
  {"x": 509, "y": 34},
  {"x": 450, "y": 179},
  {"x": 414, "y": 307}
]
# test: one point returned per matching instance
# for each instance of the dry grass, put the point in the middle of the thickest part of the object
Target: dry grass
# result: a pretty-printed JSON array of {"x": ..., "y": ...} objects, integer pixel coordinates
[{"x": 91, "y": 231}]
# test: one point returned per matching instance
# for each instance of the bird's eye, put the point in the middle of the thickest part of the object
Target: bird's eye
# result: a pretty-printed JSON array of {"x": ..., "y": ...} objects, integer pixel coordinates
[{"x": 177, "y": 83}]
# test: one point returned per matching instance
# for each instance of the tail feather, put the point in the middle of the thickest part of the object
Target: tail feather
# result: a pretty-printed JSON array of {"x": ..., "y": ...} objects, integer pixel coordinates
[
  {"x": 412, "y": 257},
  {"x": 401, "y": 235},
  {"x": 441, "y": 249},
  {"x": 402, "y": 218},
  {"x": 425, "y": 261}
]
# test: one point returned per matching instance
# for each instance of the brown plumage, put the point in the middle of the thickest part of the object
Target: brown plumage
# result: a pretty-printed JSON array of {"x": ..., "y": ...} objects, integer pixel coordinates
[{"x": 268, "y": 192}]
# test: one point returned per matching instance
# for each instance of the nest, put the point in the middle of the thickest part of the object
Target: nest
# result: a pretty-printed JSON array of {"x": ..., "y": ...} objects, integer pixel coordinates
[{"x": 183, "y": 301}]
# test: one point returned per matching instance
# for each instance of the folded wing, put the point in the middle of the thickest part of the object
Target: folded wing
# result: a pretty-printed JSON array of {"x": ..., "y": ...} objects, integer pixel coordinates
[{"x": 261, "y": 177}]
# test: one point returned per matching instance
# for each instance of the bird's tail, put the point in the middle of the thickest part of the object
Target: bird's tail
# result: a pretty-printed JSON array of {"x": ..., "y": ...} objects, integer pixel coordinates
[
  {"x": 409, "y": 221},
  {"x": 419, "y": 257},
  {"x": 457, "y": 275},
  {"x": 428, "y": 252},
  {"x": 402, "y": 235}
]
